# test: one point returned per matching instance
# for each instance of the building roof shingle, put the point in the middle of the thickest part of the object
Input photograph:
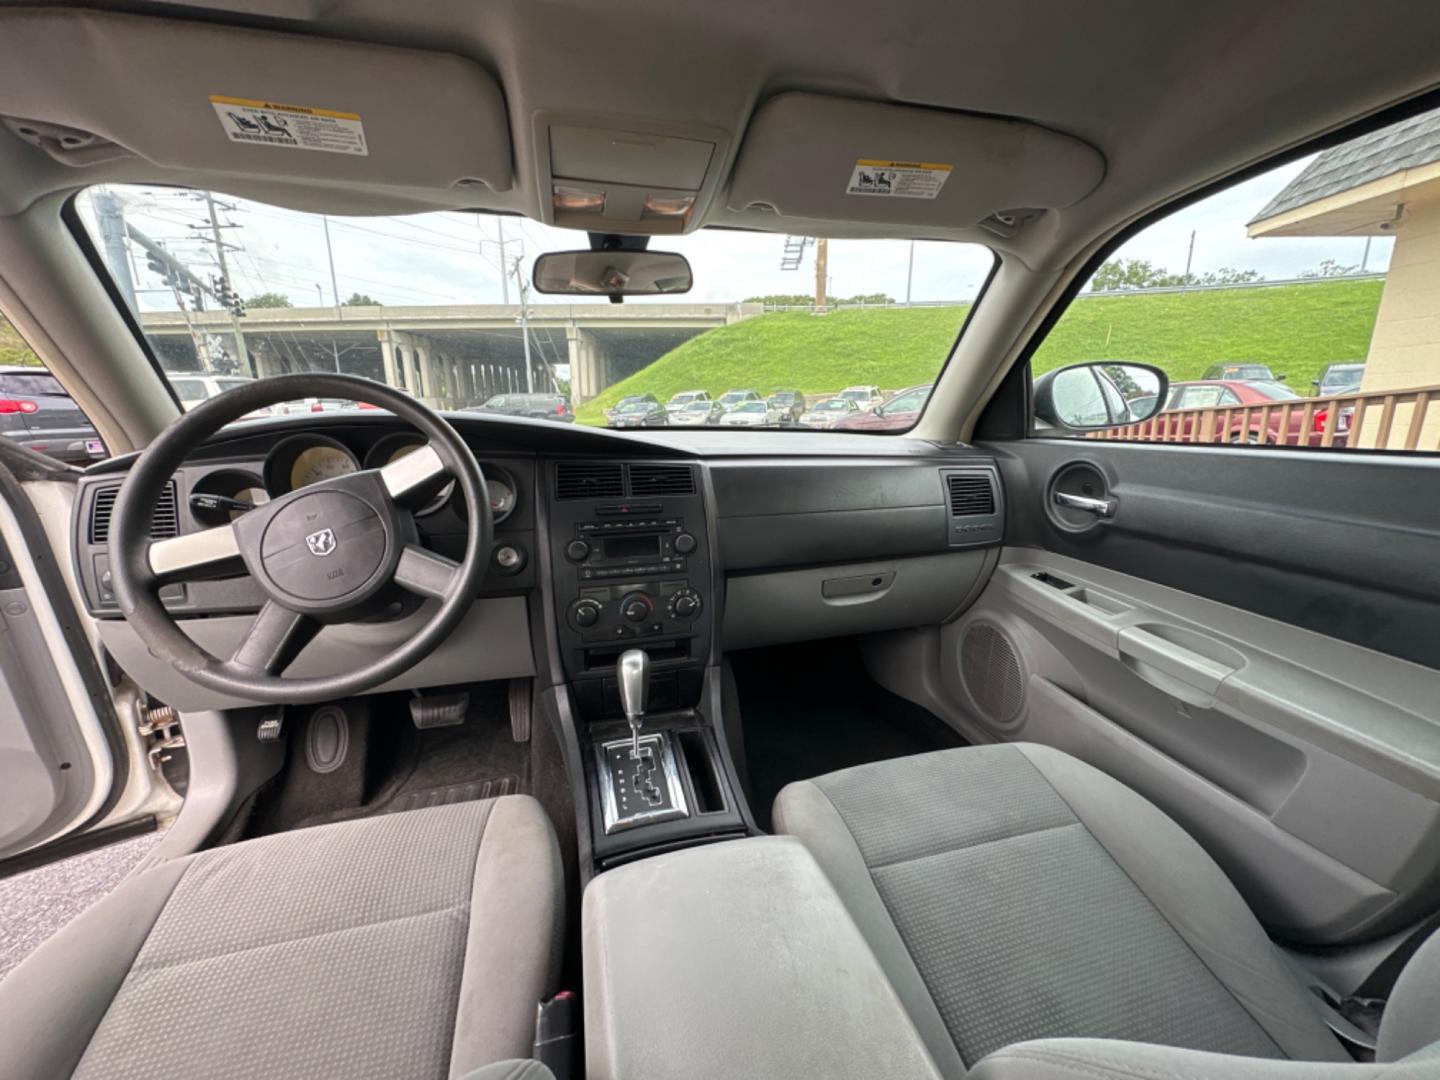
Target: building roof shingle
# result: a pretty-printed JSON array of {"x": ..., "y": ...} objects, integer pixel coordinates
[{"x": 1382, "y": 153}]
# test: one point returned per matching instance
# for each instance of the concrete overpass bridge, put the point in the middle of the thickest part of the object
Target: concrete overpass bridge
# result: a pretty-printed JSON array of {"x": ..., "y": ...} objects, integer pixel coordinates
[{"x": 449, "y": 356}]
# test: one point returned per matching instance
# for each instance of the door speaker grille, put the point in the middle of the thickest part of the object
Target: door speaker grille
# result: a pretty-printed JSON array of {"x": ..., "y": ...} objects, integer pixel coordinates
[{"x": 990, "y": 669}]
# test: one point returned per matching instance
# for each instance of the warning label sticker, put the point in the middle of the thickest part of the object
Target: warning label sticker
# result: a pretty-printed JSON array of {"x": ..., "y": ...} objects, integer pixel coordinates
[
  {"x": 898, "y": 179},
  {"x": 294, "y": 127}
]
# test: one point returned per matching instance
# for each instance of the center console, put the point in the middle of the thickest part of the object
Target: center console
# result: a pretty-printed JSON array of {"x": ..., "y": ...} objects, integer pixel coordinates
[{"x": 635, "y": 614}]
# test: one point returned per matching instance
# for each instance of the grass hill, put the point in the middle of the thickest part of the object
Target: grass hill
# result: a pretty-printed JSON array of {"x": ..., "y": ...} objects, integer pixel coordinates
[
  {"x": 12, "y": 349},
  {"x": 1296, "y": 329}
]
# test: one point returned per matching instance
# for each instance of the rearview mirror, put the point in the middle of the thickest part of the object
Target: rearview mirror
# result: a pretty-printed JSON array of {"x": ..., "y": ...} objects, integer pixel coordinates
[
  {"x": 612, "y": 273},
  {"x": 1092, "y": 397}
]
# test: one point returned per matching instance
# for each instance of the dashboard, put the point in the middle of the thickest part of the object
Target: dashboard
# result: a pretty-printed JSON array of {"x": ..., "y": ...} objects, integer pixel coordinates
[{"x": 684, "y": 543}]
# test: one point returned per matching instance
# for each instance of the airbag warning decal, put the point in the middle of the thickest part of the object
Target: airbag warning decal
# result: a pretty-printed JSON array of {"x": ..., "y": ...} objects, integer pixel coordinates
[
  {"x": 898, "y": 179},
  {"x": 290, "y": 127}
]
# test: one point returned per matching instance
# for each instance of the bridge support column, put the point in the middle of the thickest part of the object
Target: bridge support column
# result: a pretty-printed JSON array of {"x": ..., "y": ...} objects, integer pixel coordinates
[
  {"x": 387, "y": 359},
  {"x": 589, "y": 366}
]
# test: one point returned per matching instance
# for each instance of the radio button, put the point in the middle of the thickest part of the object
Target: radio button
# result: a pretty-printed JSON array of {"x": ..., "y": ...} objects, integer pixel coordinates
[
  {"x": 685, "y": 543},
  {"x": 577, "y": 550}
]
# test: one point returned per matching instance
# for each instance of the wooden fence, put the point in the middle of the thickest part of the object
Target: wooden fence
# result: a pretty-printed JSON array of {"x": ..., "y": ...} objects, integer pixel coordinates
[{"x": 1396, "y": 418}]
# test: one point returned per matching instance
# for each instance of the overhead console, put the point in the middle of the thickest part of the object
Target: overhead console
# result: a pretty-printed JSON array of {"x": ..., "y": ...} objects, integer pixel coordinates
[
  {"x": 626, "y": 175},
  {"x": 818, "y": 158}
]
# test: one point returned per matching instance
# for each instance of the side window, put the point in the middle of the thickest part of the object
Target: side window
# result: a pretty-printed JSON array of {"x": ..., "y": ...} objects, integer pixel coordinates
[
  {"x": 36, "y": 411},
  {"x": 1299, "y": 308}
]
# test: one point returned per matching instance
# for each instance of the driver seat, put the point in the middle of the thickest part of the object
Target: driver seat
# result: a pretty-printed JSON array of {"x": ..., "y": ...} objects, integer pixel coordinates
[{"x": 415, "y": 944}]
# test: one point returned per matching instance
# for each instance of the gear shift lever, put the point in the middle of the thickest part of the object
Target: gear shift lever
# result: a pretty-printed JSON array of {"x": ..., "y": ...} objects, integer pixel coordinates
[{"x": 634, "y": 675}]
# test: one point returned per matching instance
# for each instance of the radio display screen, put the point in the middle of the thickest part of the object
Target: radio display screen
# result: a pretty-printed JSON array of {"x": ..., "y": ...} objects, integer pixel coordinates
[{"x": 632, "y": 547}]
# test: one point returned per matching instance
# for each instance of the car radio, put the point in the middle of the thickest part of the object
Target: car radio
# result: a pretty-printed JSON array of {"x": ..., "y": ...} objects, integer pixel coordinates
[{"x": 630, "y": 547}]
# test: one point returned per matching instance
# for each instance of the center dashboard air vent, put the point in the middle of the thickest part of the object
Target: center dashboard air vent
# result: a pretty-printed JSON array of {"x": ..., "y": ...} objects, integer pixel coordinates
[
  {"x": 164, "y": 521},
  {"x": 652, "y": 481},
  {"x": 975, "y": 501},
  {"x": 589, "y": 480}
]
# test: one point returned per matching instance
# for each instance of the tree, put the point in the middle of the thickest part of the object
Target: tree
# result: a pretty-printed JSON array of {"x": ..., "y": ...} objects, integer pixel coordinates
[
  {"x": 361, "y": 300},
  {"x": 1121, "y": 274},
  {"x": 1118, "y": 274},
  {"x": 1330, "y": 268},
  {"x": 269, "y": 300}
]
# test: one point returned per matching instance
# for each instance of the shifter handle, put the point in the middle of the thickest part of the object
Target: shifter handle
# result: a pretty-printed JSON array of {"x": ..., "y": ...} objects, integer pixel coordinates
[{"x": 634, "y": 675}]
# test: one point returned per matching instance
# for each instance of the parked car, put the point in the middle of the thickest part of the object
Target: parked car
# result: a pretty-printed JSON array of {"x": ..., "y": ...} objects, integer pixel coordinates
[
  {"x": 533, "y": 406},
  {"x": 1243, "y": 371},
  {"x": 790, "y": 403},
  {"x": 866, "y": 397},
  {"x": 685, "y": 398},
  {"x": 640, "y": 413},
  {"x": 826, "y": 414},
  {"x": 897, "y": 413},
  {"x": 630, "y": 400},
  {"x": 731, "y": 398},
  {"x": 1338, "y": 379},
  {"x": 36, "y": 412},
  {"x": 752, "y": 414},
  {"x": 1238, "y": 393},
  {"x": 698, "y": 414}
]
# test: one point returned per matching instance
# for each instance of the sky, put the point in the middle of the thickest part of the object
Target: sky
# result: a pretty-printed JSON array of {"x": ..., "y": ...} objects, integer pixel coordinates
[{"x": 455, "y": 258}]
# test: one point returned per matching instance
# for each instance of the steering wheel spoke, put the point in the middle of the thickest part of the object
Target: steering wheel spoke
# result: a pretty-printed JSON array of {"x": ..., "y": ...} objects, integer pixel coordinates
[
  {"x": 424, "y": 573},
  {"x": 274, "y": 639},
  {"x": 423, "y": 467},
  {"x": 192, "y": 555}
]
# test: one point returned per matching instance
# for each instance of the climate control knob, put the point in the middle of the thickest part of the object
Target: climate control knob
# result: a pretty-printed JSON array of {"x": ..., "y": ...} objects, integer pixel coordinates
[
  {"x": 585, "y": 613},
  {"x": 685, "y": 604},
  {"x": 636, "y": 607}
]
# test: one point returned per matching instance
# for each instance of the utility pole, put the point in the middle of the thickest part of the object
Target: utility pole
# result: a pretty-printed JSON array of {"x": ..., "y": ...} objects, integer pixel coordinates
[
  {"x": 504, "y": 285},
  {"x": 909, "y": 273},
  {"x": 1189, "y": 256},
  {"x": 820, "y": 276},
  {"x": 110, "y": 216},
  {"x": 242, "y": 356},
  {"x": 524, "y": 326}
]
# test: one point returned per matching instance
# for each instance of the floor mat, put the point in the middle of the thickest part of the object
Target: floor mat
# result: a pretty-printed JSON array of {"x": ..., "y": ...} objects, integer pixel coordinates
[
  {"x": 390, "y": 766},
  {"x": 455, "y": 793},
  {"x": 811, "y": 709}
]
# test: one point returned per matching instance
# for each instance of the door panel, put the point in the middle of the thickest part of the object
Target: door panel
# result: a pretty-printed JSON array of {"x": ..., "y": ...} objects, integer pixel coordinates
[{"x": 1245, "y": 642}]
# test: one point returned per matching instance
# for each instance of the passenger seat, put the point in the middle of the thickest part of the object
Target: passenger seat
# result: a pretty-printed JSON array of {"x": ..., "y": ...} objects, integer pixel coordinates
[{"x": 1014, "y": 893}]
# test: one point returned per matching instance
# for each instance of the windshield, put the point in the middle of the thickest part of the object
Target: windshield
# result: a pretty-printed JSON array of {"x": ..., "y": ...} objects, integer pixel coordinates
[
  {"x": 1273, "y": 390},
  {"x": 698, "y": 407},
  {"x": 752, "y": 407},
  {"x": 441, "y": 305},
  {"x": 636, "y": 407},
  {"x": 834, "y": 405}
]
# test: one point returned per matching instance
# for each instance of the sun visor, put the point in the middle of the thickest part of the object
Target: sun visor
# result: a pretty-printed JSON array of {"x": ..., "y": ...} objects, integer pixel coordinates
[
  {"x": 831, "y": 159},
  {"x": 250, "y": 103}
]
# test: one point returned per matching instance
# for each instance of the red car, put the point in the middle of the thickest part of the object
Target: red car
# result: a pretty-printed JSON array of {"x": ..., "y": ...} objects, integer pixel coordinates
[
  {"x": 1229, "y": 398},
  {"x": 897, "y": 413}
]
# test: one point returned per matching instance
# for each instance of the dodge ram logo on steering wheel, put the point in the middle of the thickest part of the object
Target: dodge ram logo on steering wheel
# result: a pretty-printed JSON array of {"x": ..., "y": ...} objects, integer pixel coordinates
[{"x": 322, "y": 542}]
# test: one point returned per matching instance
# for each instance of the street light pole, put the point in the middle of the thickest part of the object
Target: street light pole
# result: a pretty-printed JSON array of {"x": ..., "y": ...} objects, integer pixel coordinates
[{"x": 909, "y": 273}]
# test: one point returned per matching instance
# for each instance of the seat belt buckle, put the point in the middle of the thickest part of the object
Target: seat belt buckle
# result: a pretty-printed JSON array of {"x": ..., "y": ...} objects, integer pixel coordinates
[{"x": 557, "y": 1034}]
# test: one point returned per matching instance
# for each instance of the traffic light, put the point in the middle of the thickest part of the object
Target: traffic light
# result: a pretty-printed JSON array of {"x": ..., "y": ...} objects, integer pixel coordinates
[
  {"x": 227, "y": 296},
  {"x": 164, "y": 269}
]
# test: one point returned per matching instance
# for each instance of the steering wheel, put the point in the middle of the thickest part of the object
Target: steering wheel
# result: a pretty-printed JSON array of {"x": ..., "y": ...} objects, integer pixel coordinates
[{"x": 337, "y": 551}]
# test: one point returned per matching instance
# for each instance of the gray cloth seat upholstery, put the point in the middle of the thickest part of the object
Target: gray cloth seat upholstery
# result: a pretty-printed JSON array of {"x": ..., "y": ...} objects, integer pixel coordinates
[
  {"x": 407, "y": 945},
  {"x": 1014, "y": 893}
]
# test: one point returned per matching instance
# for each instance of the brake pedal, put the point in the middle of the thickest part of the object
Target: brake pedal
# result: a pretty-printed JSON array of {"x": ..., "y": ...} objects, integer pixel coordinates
[{"x": 443, "y": 710}]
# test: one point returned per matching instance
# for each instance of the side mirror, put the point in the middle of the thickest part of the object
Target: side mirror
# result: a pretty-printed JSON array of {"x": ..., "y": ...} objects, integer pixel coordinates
[
  {"x": 1096, "y": 396},
  {"x": 1279, "y": 378},
  {"x": 612, "y": 273}
]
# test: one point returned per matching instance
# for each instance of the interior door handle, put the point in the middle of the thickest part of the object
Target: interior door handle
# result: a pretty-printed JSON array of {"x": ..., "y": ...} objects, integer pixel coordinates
[{"x": 1104, "y": 508}]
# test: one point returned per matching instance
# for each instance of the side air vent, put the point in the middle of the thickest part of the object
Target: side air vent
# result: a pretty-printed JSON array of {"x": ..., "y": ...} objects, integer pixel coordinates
[
  {"x": 655, "y": 480},
  {"x": 977, "y": 506},
  {"x": 589, "y": 480},
  {"x": 970, "y": 494},
  {"x": 165, "y": 521}
]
